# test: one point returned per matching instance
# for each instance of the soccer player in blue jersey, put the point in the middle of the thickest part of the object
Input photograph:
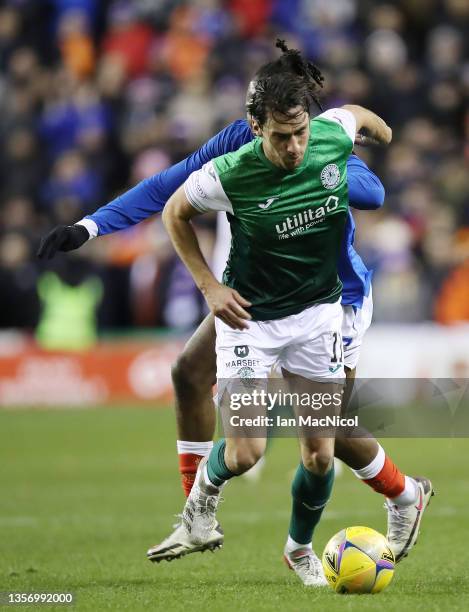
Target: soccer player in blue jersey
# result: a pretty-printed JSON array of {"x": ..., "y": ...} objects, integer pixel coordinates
[{"x": 195, "y": 371}]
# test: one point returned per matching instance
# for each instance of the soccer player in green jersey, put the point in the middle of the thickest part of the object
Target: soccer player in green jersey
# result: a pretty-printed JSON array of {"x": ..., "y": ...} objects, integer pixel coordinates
[{"x": 286, "y": 195}]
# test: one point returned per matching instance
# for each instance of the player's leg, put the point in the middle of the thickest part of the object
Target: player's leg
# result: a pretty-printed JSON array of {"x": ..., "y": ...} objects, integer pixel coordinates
[
  {"x": 194, "y": 375},
  {"x": 247, "y": 354},
  {"x": 228, "y": 459},
  {"x": 406, "y": 497},
  {"x": 313, "y": 366},
  {"x": 311, "y": 490},
  {"x": 358, "y": 453}
]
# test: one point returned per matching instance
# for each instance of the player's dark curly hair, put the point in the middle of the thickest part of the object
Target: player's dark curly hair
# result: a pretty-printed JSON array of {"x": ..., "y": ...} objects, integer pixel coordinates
[{"x": 286, "y": 83}]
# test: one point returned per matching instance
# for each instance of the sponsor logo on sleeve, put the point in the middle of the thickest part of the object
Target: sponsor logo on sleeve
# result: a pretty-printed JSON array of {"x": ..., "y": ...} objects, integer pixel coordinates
[{"x": 199, "y": 188}]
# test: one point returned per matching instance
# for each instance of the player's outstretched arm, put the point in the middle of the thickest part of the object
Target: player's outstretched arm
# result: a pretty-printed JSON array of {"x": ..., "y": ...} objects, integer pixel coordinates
[
  {"x": 224, "y": 302},
  {"x": 145, "y": 199},
  {"x": 376, "y": 128}
]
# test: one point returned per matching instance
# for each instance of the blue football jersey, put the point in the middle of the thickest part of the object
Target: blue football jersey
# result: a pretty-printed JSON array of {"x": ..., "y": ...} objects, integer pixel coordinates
[{"x": 366, "y": 192}]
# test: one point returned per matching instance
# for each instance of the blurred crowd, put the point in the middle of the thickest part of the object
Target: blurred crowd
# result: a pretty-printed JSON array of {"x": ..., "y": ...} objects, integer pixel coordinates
[{"x": 97, "y": 95}]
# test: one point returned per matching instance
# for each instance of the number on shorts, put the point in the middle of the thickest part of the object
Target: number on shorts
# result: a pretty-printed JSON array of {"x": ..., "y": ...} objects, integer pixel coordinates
[{"x": 337, "y": 346}]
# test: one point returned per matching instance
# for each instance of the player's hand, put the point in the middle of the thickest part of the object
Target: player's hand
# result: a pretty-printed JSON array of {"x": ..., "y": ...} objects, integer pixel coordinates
[
  {"x": 228, "y": 305},
  {"x": 366, "y": 141},
  {"x": 62, "y": 238}
]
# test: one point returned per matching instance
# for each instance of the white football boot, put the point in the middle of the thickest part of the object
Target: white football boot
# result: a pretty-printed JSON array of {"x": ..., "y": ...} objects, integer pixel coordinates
[
  {"x": 199, "y": 514},
  {"x": 307, "y": 566},
  {"x": 404, "y": 521},
  {"x": 177, "y": 544}
]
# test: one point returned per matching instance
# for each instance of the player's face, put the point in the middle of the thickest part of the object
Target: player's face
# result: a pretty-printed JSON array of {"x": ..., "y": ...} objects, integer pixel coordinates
[{"x": 284, "y": 139}]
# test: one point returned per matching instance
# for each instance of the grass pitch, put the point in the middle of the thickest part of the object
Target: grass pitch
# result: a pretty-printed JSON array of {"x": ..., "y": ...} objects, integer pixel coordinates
[{"x": 84, "y": 494}]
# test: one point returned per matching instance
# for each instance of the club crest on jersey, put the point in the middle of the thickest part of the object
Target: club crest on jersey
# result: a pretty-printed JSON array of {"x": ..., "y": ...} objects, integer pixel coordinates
[
  {"x": 330, "y": 176},
  {"x": 246, "y": 372}
]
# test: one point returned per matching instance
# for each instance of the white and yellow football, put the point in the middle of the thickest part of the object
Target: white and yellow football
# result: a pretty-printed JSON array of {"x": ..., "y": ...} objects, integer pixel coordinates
[{"x": 358, "y": 560}]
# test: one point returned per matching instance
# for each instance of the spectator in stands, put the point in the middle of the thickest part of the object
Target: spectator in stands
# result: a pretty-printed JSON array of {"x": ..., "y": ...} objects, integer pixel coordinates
[{"x": 94, "y": 95}]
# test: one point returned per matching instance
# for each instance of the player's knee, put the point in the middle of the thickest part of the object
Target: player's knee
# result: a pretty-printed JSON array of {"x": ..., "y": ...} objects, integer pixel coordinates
[
  {"x": 244, "y": 458},
  {"x": 319, "y": 461},
  {"x": 186, "y": 375}
]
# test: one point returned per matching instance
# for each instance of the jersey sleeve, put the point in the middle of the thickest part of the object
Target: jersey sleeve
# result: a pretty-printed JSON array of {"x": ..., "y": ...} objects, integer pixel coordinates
[
  {"x": 90, "y": 226},
  {"x": 205, "y": 192},
  {"x": 150, "y": 195},
  {"x": 344, "y": 118},
  {"x": 366, "y": 191}
]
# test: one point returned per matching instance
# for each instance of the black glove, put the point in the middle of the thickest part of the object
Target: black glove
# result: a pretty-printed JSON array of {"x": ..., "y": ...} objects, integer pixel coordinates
[{"x": 62, "y": 238}]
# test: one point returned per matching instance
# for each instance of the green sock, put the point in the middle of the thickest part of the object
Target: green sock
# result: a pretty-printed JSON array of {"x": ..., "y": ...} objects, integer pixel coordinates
[
  {"x": 314, "y": 491},
  {"x": 217, "y": 471}
]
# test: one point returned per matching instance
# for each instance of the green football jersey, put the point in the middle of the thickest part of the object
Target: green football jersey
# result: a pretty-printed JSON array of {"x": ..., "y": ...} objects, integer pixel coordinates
[{"x": 286, "y": 226}]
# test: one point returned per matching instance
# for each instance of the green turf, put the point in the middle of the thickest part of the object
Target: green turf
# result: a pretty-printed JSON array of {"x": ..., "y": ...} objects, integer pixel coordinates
[{"x": 84, "y": 494}]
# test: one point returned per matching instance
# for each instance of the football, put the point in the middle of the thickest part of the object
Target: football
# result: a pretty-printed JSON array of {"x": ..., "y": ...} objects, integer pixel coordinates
[{"x": 358, "y": 560}]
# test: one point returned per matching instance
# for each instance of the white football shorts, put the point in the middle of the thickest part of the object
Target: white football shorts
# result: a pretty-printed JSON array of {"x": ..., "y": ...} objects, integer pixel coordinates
[
  {"x": 221, "y": 249},
  {"x": 308, "y": 344},
  {"x": 355, "y": 323}
]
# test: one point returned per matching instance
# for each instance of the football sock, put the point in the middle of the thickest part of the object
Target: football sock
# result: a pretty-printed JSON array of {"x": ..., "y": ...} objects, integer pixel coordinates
[
  {"x": 217, "y": 471},
  {"x": 310, "y": 494},
  {"x": 292, "y": 545},
  {"x": 374, "y": 468},
  {"x": 409, "y": 495},
  {"x": 190, "y": 454},
  {"x": 383, "y": 476}
]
